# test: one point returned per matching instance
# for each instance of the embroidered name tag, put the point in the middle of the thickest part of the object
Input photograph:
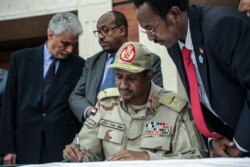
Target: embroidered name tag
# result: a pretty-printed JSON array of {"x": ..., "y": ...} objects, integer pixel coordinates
[
  {"x": 90, "y": 123},
  {"x": 111, "y": 124}
]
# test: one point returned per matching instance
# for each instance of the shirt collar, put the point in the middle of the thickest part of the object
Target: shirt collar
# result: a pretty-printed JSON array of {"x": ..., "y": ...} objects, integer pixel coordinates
[
  {"x": 110, "y": 54},
  {"x": 188, "y": 40},
  {"x": 46, "y": 53}
]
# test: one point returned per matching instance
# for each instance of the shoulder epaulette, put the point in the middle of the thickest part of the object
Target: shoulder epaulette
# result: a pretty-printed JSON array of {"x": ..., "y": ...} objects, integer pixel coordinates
[
  {"x": 110, "y": 92},
  {"x": 172, "y": 101}
]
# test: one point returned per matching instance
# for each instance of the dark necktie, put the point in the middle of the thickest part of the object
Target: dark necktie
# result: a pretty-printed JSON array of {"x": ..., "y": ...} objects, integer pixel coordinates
[
  {"x": 194, "y": 95},
  {"x": 109, "y": 81},
  {"x": 48, "y": 80}
]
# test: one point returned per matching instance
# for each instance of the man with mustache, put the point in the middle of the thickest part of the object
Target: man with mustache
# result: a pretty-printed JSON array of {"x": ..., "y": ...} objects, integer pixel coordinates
[
  {"x": 210, "y": 47},
  {"x": 138, "y": 120},
  {"x": 112, "y": 32}
]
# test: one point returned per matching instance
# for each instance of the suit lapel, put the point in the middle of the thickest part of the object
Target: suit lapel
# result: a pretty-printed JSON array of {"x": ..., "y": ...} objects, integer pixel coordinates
[
  {"x": 63, "y": 72},
  {"x": 36, "y": 77},
  {"x": 198, "y": 45},
  {"x": 176, "y": 55}
]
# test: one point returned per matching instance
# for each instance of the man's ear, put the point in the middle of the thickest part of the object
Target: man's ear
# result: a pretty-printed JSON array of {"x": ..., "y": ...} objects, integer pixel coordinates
[
  {"x": 149, "y": 76},
  {"x": 123, "y": 30},
  {"x": 50, "y": 34},
  {"x": 174, "y": 14}
]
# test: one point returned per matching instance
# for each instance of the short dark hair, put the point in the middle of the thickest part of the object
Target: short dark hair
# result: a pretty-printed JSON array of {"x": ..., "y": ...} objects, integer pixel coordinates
[
  {"x": 162, "y": 7},
  {"x": 121, "y": 20}
]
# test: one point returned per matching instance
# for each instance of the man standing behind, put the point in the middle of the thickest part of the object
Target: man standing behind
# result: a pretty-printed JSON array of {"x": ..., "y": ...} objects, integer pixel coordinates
[
  {"x": 137, "y": 120},
  {"x": 244, "y": 6},
  {"x": 112, "y": 31},
  {"x": 210, "y": 47},
  {"x": 36, "y": 119},
  {"x": 3, "y": 78}
]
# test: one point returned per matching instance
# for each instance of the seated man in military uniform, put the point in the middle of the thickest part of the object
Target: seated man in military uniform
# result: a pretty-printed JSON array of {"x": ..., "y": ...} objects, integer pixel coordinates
[{"x": 137, "y": 120}]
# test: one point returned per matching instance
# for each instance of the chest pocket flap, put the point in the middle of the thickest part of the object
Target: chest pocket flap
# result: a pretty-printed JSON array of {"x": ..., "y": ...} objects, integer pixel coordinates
[
  {"x": 111, "y": 131},
  {"x": 151, "y": 141}
]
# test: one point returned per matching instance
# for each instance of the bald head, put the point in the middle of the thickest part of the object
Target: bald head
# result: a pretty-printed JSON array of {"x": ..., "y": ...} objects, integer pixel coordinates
[
  {"x": 112, "y": 31},
  {"x": 114, "y": 17},
  {"x": 107, "y": 18}
]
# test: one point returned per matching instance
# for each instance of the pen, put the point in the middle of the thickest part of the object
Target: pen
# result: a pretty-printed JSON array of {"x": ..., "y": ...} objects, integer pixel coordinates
[
  {"x": 65, "y": 160},
  {"x": 77, "y": 141},
  {"x": 79, "y": 146}
]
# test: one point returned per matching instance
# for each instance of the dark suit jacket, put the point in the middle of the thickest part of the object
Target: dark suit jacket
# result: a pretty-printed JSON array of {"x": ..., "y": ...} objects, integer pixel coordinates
[
  {"x": 222, "y": 37},
  {"x": 87, "y": 88},
  {"x": 3, "y": 78},
  {"x": 23, "y": 118}
]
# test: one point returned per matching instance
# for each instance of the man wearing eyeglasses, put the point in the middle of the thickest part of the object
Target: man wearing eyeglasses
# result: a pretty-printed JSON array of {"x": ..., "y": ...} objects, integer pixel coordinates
[
  {"x": 112, "y": 31},
  {"x": 210, "y": 47}
]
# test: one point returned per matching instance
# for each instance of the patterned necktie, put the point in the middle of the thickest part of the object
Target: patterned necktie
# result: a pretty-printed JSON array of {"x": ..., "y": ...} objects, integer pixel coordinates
[
  {"x": 109, "y": 81},
  {"x": 48, "y": 80},
  {"x": 194, "y": 95}
]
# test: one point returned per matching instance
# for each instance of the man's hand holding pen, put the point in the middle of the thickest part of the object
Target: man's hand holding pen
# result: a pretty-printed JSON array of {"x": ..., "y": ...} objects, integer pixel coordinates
[{"x": 73, "y": 152}]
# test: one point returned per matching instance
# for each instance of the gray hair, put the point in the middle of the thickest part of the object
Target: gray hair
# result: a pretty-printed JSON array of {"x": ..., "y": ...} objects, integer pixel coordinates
[{"x": 65, "y": 22}]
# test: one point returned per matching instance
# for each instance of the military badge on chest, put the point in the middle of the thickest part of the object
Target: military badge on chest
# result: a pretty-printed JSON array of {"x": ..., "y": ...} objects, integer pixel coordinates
[{"x": 158, "y": 128}]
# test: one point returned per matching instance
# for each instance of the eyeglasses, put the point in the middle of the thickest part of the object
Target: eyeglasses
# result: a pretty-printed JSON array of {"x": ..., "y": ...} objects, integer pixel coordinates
[
  {"x": 150, "y": 31},
  {"x": 104, "y": 32}
]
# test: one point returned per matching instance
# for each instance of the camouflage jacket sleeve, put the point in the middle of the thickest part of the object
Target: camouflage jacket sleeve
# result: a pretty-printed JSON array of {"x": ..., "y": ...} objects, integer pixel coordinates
[
  {"x": 88, "y": 138},
  {"x": 185, "y": 142}
]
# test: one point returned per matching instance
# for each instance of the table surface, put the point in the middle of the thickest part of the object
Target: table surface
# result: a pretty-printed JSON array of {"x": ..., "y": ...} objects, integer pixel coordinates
[{"x": 206, "y": 162}]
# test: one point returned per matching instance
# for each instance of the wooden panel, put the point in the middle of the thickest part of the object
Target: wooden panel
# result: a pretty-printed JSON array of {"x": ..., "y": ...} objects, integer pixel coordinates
[
  {"x": 4, "y": 60},
  {"x": 24, "y": 28},
  {"x": 21, "y": 33},
  {"x": 229, "y": 3},
  {"x": 8, "y": 47},
  {"x": 128, "y": 10}
]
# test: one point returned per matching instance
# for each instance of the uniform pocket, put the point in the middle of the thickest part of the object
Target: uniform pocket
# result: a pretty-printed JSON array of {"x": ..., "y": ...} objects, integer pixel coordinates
[
  {"x": 111, "y": 131},
  {"x": 151, "y": 141},
  {"x": 197, "y": 140}
]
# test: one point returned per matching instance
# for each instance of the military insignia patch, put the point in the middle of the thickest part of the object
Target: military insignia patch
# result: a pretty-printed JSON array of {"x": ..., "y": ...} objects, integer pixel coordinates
[
  {"x": 201, "y": 59},
  {"x": 158, "y": 128},
  {"x": 128, "y": 53},
  {"x": 90, "y": 123},
  {"x": 153, "y": 102},
  {"x": 173, "y": 102}
]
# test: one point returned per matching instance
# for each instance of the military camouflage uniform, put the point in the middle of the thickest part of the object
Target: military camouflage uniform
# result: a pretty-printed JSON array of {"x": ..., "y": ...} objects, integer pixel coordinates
[{"x": 163, "y": 129}]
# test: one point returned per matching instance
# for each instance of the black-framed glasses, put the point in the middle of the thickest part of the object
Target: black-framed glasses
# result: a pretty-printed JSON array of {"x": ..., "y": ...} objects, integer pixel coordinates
[
  {"x": 104, "y": 31},
  {"x": 150, "y": 31}
]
